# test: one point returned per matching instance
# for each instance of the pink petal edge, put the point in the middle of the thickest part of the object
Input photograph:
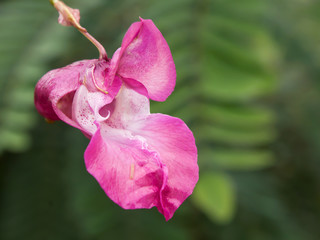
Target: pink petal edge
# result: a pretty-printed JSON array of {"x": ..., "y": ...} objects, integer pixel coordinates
[
  {"x": 145, "y": 57},
  {"x": 175, "y": 144},
  {"x": 54, "y": 91}
]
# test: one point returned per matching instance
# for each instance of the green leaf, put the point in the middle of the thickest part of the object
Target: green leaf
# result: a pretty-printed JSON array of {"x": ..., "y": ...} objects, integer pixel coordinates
[
  {"x": 252, "y": 137},
  {"x": 215, "y": 196},
  {"x": 233, "y": 84},
  {"x": 14, "y": 141},
  {"x": 238, "y": 116},
  {"x": 237, "y": 159}
]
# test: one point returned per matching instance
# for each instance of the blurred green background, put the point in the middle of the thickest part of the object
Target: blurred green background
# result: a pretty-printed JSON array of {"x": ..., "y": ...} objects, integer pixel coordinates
[{"x": 247, "y": 85}]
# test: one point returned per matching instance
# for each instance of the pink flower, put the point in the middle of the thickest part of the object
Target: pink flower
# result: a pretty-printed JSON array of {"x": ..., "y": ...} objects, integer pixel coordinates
[
  {"x": 143, "y": 61},
  {"x": 141, "y": 160}
]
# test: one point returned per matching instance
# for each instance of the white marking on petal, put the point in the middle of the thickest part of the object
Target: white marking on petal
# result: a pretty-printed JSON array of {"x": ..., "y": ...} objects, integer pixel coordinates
[{"x": 82, "y": 111}]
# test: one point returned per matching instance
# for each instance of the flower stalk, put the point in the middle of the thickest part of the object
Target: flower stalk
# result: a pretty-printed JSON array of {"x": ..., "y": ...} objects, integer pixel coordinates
[{"x": 71, "y": 17}]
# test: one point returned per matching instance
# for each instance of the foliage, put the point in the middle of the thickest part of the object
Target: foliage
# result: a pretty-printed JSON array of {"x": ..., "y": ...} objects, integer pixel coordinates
[
  {"x": 223, "y": 75},
  {"x": 246, "y": 84}
]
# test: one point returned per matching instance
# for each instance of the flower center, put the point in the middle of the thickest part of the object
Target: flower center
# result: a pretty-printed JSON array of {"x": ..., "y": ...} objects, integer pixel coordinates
[
  {"x": 94, "y": 77},
  {"x": 95, "y": 82}
]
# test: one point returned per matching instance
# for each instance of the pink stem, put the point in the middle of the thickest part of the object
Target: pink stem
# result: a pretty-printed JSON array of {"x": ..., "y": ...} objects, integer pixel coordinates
[{"x": 70, "y": 18}]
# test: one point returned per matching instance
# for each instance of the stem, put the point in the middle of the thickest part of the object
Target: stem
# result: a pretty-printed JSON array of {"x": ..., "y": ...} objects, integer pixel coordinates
[
  {"x": 69, "y": 19},
  {"x": 102, "y": 51}
]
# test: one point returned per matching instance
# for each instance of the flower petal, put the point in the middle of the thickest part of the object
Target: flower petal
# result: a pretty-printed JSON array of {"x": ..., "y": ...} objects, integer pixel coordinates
[
  {"x": 55, "y": 90},
  {"x": 82, "y": 113},
  {"x": 130, "y": 174},
  {"x": 161, "y": 147},
  {"x": 86, "y": 109},
  {"x": 127, "y": 107},
  {"x": 145, "y": 57},
  {"x": 174, "y": 142},
  {"x": 95, "y": 77}
]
